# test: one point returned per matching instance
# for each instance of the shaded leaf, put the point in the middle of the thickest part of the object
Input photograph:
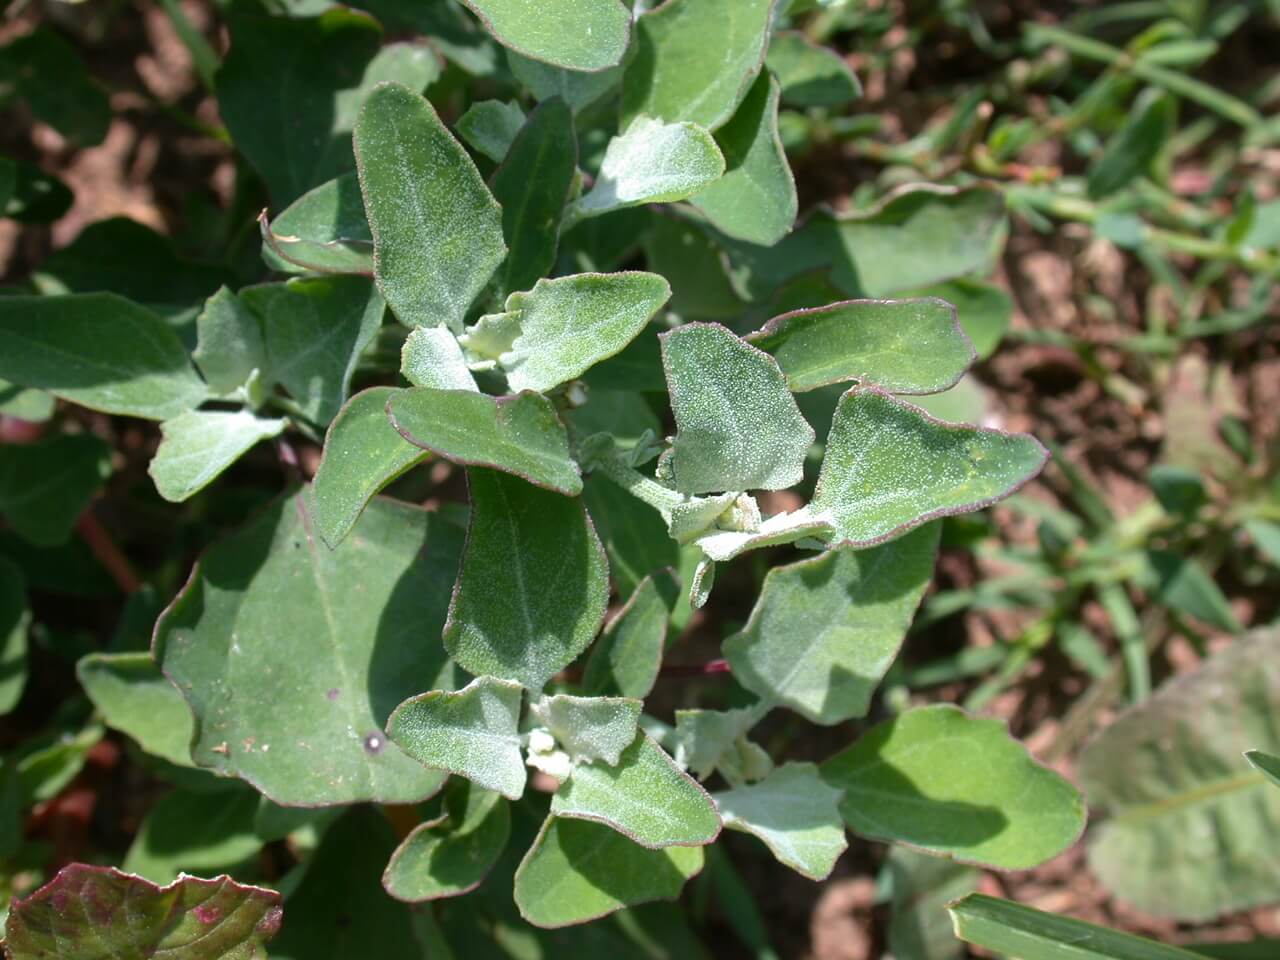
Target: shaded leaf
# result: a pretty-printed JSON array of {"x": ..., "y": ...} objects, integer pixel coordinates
[
  {"x": 271, "y": 605},
  {"x": 578, "y": 871},
  {"x": 634, "y": 534},
  {"x": 696, "y": 268},
  {"x": 1182, "y": 584},
  {"x": 695, "y": 59},
  {"x": 756, "y": 198},
  {"x": 811, "y": 75},
  {"x": 431, "y": 357},
  {"x": 577, "y": 88},
  {"x": 96, "y": 913},
  {"x": 520, "y": 435},
  {"x": 14, "y": 620},
  {"x": 363, "y": 453},
  {"x": 889, "y": 467},
  {"x": 957, "y": 786},
  {"x": 584, "y": 35},
  {"x": 1136, "y": 145},
  {"x": 644, "y": 796},
  {"x": 199, "y": 445},
  {"x": 45, "y": 486},
  {"x": 711, "y": 740},
  {"x": 437, "y": 230},
  {"x": 35, "y": 196},
  {"x": 491, "y": 126},
  {"x": 532, "y": 185},
  {"x": 60, "y": 344},
  {"x": 738, "y": 425},
  {"x": 794, "y": 813},
  {"x": 315, "y": 329},
  {"x": 47, "y": 72},
  {"x": 569, "y": 324},
  {"x": 652, "y": 162},
  {"x": 452, "y": 855},
  {"x": 323, "y": 231},
  {"x": 1266, "y": 763},
  {"x": 919, "y": 926},
  {"x": 543, "y": 551},
  {"x": 627, "y": 657},
  {"x": 825, "y": 631},
  {"x": 229, "y": 343},
  {"x": 1167, "y": 773},
  {"x": 904, "y": 346},
  {"x": 194, "y": 831},
  {"x": 134, "y": 697},
  {"x": 473, "y": 733}
]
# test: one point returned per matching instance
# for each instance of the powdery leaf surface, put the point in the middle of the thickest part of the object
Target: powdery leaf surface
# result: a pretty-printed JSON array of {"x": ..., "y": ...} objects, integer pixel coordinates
[
  {"x": 825, "y": 631},
  {"x": 578, "y": 871},
  {"x": 939, "y": 780},
  {"x": 473, "y": 733},
  {"x": 578, "y": 34},
  {"x": 363, "y": 452},
  {"x": 324, "y": 231},
  {"x": 99, "y": 913},
  {"x": 738, "y": 427},
  {"x": 627, "y": 657},
  {"x": 796, "y": 815},
  {"x": 272, "y": 608},
  {"x": 520, "y": 435},
  {"x": 431, "y": 357},
  {"x": 902, "y": 346},
  {"x": 569, "y": 324},
  {"x": 889, "y": 467},
  {"x": 645, "y": 796},
  {"x": 229, "y": 343},
  {"x": 437, "y": 230},
  {"x": 197, "y": 446},
  {"x": 590, "y": 728},
  {"x": 533, "y": 586}
]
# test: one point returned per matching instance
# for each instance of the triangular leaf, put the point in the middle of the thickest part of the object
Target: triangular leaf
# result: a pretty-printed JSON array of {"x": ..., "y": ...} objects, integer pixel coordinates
[
  {"x": 590, "y": 728},
  {"x": 200, "y": 444}
]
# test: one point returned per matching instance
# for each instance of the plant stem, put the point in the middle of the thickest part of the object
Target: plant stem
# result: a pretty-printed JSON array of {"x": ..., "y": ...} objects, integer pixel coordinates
[{"x": 100, "y": 542}]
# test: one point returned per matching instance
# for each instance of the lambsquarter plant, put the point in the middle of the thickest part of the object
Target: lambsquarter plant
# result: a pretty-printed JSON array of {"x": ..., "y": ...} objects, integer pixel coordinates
[{"x": 625, "y": 433}]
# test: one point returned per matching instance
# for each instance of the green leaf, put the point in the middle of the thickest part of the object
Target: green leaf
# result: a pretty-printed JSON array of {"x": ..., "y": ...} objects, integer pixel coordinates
[
  {"x": 756, "y": 198},
  {"x": 45, "y": 486},
  {"x": 826, "y": 630},
  {"x": 37, "y": 197},
  {"x": 96, "y": 913},
  {"x": 134, "y": 697},
  {"x": 532, "y": 185},
  {"x": 627, "y": 657},
  {"x": 569, "y": 324},
  {"x": 578, "y": 871},
  {"x": 315, "y": 329},
  {"x": 711, "y": 740},
  {"x": 199, "y": 445},
  {"x": 437, "y": 231},
  {"x": 589, "y": 728},
  {"x": 362, "y": 454},
  {"x": 1184, "y": 585},
  {"x": 544, "y": 549},
  {"x": 957, "y": 786},
  {"x": 8, "y": 182},
  {"x": 794, "y": 813},
  {"x": 14, "y": 620},
  {"x": 579, "y": 89},
  {"x": 903, "y": 346},
  {"x": 450, "y": 856},
  {"x": 919, "y": 926},
  {"x": 811, "y": 75},
  {"x": 431, "y": 357},
  {"x": 62, "y": 344},
  {"x": 47, "y": 72},
  {"x": 1179, "y": 490},
  {"x": 1017, "y": 930},
  {"x": 1136, "y": 145},
  {"x": 634, "y": 534},
  {"x": 34, "y": 406},
  {"x": 652, "y": 162},
  {"x": 889, "y": 467},
  {"x": 323, "y": 231},
  {"x": 984, "y": 310},
  {"x": 520, "y": 435},
  {"x": 1167, "y": 774},
  {"x": 189, "y": 831},
  {"x": 491, "y": 126},
  {"x": 340, "y": 910},
  {"x": 473, "y": 733},
  {"x": 584, "y": 35},
  {"x": 271, "y": 602},
  {"x": 289, "y": 90},
  {"x": 230, "y": 345},
  {"x": 738, "y": 426},
  {"x": 644, "y": 796},
  {"x": 779, "y": 529},
  {"x": 917, "y": 236},
  {"x": 696, "y": 268},
  {"x": 695, "y": 59},
  {"x": 1266, "y": 763}
]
